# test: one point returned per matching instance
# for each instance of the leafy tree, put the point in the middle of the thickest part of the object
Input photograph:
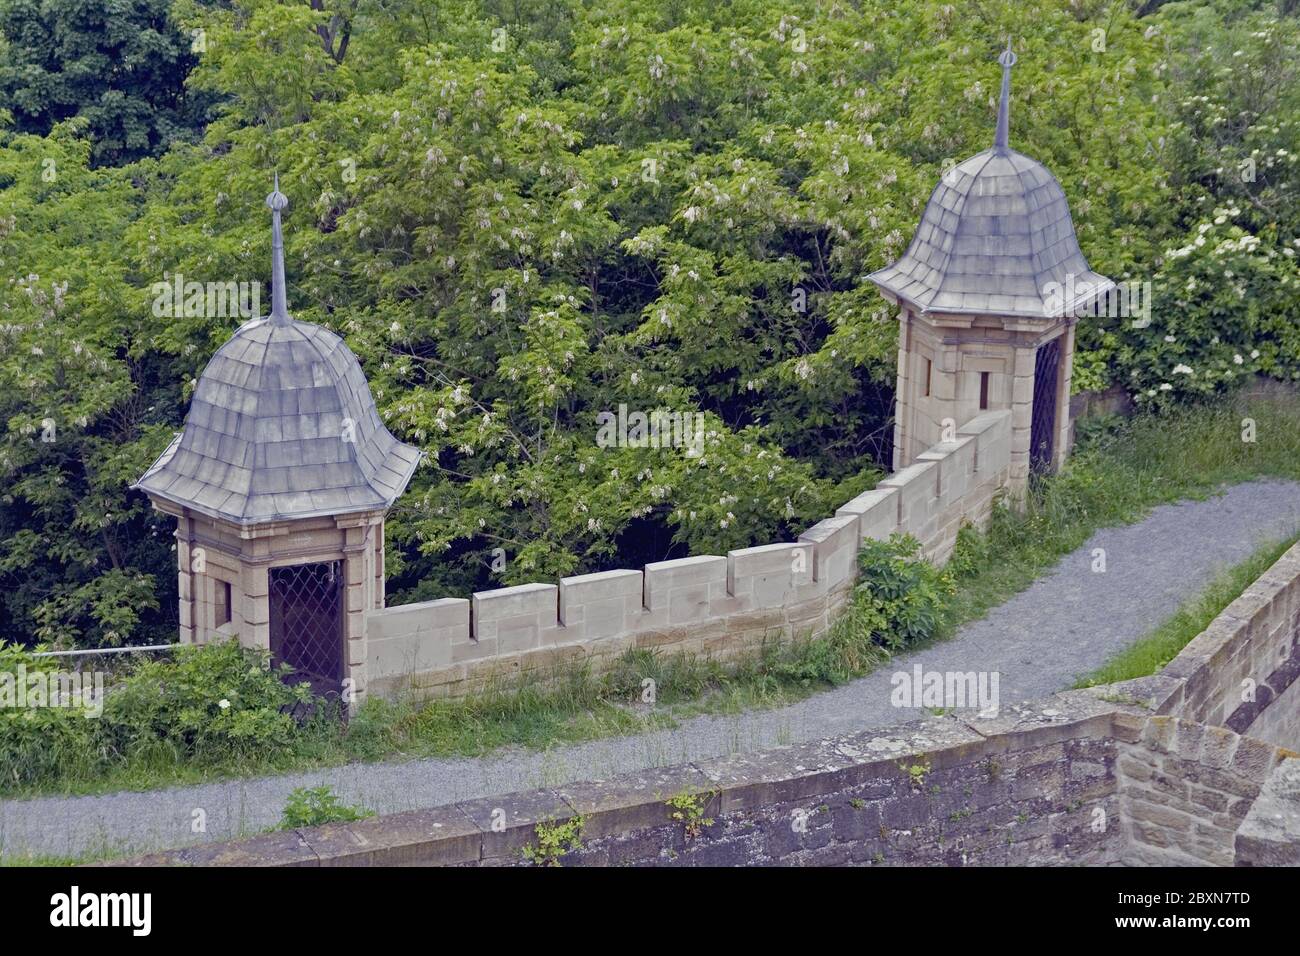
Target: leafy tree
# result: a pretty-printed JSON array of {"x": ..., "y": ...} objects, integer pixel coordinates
[
  {"x": 522, "y": 214},
  {"x": 118, "y": 66},
  {"x": 82, "y": 560}
]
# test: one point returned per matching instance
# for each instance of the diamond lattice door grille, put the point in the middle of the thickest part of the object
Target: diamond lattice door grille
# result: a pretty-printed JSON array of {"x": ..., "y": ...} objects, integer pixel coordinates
[
  {"x": 1043, "y": 427},
  {"x": 307, "y": 623}
]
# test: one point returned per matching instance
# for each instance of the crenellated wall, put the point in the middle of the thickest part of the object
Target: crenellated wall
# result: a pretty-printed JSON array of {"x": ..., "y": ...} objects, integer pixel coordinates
[{"x": 718, "y": 605}]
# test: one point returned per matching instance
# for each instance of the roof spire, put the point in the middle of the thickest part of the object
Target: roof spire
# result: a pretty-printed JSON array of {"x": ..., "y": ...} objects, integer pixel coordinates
[
  {"x": 279, "y": 301},
  {"x": 1008, "y": 60}
]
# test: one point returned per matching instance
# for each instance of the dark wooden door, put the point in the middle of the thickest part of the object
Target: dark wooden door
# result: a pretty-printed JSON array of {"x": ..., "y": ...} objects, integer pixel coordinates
[
  {"x": 1042, "y": 432},
  {"x": 307, "y": 623}
]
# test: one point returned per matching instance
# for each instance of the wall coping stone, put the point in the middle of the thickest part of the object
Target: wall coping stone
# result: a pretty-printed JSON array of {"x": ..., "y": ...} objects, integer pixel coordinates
[{"x": 1270, "y": 834}]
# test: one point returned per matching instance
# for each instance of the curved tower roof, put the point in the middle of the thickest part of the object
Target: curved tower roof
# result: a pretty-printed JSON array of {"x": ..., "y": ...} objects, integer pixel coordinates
[
  {"x": 282, "y": 425},
  {"x": 996, "y": 238}
]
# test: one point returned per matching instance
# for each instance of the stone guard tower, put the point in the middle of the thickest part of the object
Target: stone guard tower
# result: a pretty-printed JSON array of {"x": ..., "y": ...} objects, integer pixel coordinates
[
  {"x": 280, "y": 481},
  {"x": 988, "y": 292}
]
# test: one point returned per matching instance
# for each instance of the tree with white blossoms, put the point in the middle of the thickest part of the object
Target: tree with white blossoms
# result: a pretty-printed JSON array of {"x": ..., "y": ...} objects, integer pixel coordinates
[
  {"x": 522, "y": 215},
  {"x": 1224, "y": 308},
  {"x": 80, "y": 555}
]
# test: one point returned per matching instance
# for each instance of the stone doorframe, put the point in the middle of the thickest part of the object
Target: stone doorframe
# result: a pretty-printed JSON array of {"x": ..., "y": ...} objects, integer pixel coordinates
[{"x": 223, "y": 570}]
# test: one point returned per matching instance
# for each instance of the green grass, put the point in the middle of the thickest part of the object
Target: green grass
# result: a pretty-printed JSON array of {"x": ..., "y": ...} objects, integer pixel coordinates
[
  {"x": 42, "y": 860},
  {"x": 1162, "y": 645},
  {"x": 1118, "y": 472},
  {"x": 94, "y": 853}
]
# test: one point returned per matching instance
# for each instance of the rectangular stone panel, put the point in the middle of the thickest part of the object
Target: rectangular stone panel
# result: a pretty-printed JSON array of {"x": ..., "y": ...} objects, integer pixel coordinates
[
  {"x": 836, "y": 544},
  {"x": 681, "y": 591},
  {"x": 602, "y": 605},
  {"x": 769, "y": 575}
]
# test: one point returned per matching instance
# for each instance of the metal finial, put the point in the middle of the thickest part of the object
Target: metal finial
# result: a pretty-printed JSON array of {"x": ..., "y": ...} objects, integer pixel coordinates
[
  {"x": 1008, "y": 60},
  {"x": 279, "y": 301}
]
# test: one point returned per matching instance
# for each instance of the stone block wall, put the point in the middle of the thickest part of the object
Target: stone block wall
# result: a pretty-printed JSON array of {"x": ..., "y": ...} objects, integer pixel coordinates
[
  {"x": 1240, "y": 671},
  {"x": 719, "y": 605},
  {"x": 1185, "y": 790},
  {"x": 1073, "y": 779},
  {"x": 1270, "y": 834}
]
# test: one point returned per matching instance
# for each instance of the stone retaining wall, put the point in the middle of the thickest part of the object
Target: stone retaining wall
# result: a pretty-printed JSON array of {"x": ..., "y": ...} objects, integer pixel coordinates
[
  {"x": 1235, "y": 671},
  {"x": 1073, "y": 779},
  {"x": 1279, "y": 722},
  {"x": 715, "y": 605},
  {"x": 1270, "y": 834},
  {"x": 1186, "y": 788}
]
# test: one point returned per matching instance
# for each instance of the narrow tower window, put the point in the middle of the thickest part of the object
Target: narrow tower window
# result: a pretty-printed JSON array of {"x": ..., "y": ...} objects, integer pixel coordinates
[
  {"x": 222, "y": 603},
  {"x": 984, "y": 391}
]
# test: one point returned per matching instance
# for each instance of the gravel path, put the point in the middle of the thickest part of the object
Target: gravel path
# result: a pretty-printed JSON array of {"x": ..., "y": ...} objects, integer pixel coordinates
[{"x": 1064, "y": 625}]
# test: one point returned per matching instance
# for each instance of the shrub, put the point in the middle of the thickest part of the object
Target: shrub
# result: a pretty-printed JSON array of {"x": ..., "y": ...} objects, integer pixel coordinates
[
  {"x": 847, "y": 650},
  {"x": 904, "y": 589},
  {"x": 901, "y": 598},
  {"x": 1224, "y": 310},
  {"x": 688, "y": 809},
  {"x": 210, "y": 703},
  {"x": 40, "y": 743},
  {"x": 554, "y": 840},
  {"x": 970, "y": 553},
  {"x": 215, "y": 706}
]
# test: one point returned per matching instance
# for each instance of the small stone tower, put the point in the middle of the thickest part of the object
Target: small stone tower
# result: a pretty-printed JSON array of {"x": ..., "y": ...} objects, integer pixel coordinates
[
  {"x": 280, "y": 481},
  {"x": 988, "y": 292}
]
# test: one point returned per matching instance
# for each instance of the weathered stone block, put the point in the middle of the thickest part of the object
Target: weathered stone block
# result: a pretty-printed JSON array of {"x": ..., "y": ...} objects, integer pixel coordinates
[
  {"x": 1270, "y": 833},
  {"x": 442, "y": 836},
  {"x": 607, "y": 604},
  {"x": 509, "y": 823},
  {"x": 835, "y": 541},
  {"x": 680, "y": 591},
  {"x": 771, "y": 575}
]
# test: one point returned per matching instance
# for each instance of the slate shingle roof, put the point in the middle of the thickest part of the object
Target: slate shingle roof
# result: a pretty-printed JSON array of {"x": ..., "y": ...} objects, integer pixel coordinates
[
  {"x": 264, "y": 438},
  {"x": 995, "y": 233}
]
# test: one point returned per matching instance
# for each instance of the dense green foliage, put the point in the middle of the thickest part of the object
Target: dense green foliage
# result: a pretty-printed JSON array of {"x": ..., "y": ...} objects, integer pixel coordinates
[
  {"x": 119, "y": 69},
  {"x": 39, "y": 745},
  {"x": 523, "y": 215},
  {"x": 906, "y": 591},
  {"x": 217, "y": 705}
]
